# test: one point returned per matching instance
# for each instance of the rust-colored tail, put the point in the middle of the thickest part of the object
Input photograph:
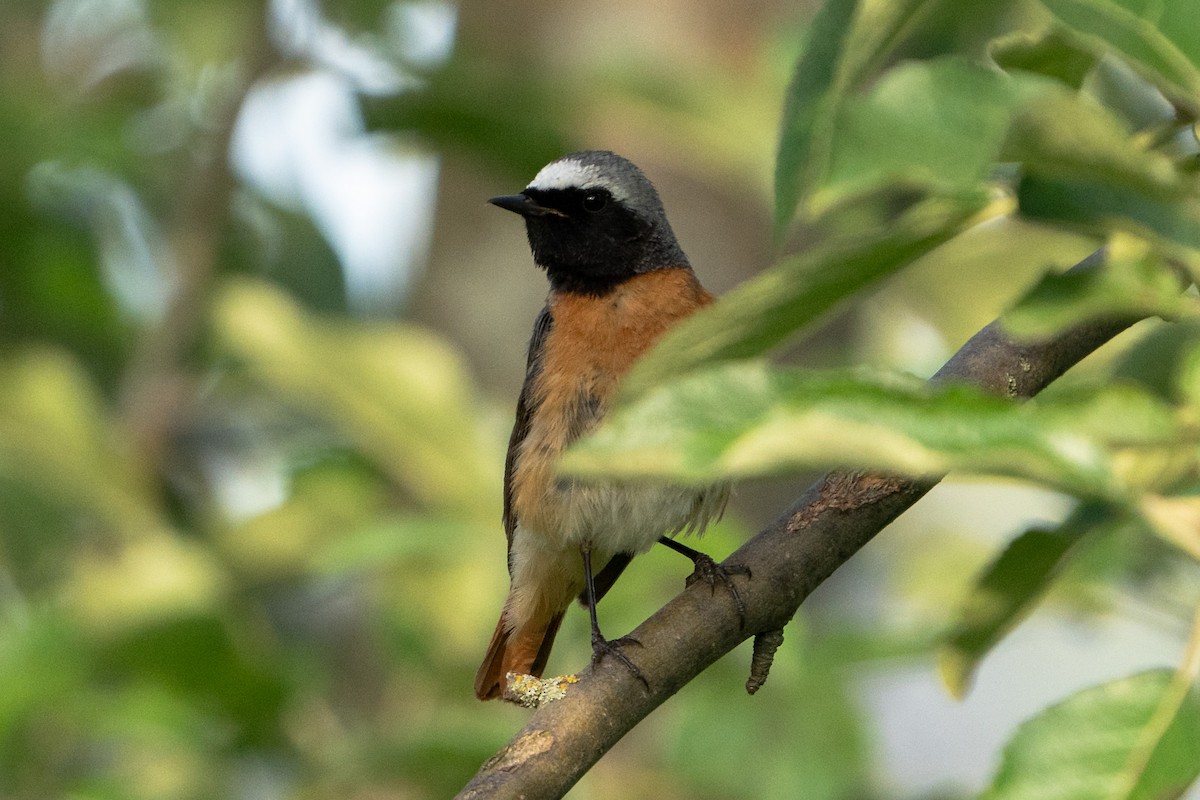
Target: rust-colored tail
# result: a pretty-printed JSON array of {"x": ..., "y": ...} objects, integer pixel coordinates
[{"x": 524, "y": 652}]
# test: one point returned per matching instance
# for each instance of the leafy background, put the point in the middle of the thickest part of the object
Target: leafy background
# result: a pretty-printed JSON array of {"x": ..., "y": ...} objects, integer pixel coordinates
[{"x": 260, "y": 339}]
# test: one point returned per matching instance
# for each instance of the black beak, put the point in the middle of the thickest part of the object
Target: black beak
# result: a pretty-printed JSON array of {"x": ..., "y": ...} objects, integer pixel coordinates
[{"x": 523, "y": 205}]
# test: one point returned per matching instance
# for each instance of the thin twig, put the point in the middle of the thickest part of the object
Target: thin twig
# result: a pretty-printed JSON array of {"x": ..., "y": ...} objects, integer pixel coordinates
[{"x": 157, "y": 386}]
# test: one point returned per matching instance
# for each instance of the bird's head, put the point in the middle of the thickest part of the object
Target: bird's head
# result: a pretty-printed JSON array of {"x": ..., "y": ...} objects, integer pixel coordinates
[{"x": 594, "y": 220}]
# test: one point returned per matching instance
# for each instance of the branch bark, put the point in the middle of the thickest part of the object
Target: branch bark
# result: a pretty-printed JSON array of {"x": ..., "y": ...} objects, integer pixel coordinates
[{"x": 827, "y": 525}]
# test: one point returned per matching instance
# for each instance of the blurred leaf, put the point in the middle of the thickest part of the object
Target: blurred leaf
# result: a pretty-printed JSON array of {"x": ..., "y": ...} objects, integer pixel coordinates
[
  {"x": 328, "y": 501},
  {"x": 1081, "y": 167},
  {"x": 1062, "y": 134},
  {"x": 38, "y": 536},
  {"x": 810, "y": 107},
  {"x": 106, "y": 55},
  {"x": 142, "y": 583},
  {"x": 158, "y": 745},
  {"x": 49, "y": 277},
  {"x": 54, "y": 438},
  {"x": 355, "y": 14},
  {"x": 751, "y": 419},
  {"x": 198, "y": 657},
  {"x": 938, "y": 123},
  {"x": 1176, "y": 519},
  {"x": 1135, "y": 100},
  {"x": 1137, "y": 40},
  {"x": 1053, "y": 53},
  {"x": 1006, "y": 592},
  {"x": 825, "y": 749},
  {"x": 287, "y": 248},
  {"x": 207, "y": 34},
  {"x": 1138, "y": 737},
  {"x": 1176, "y": 20},
  {"x": 43, "y": 667},
  {"x": 401, "y": 394},
  {"x": 888, "y": 33},
  {"x": 1133, "y": 282},
  {"x": 392, "y": 541},
  {"x": 39, "y": 664},
  {"x": 1159, "y": 361},
  {"x": 1101, "y": 205},
  {"x": 1113, "y": 560},
  {"x": 848, "y": 43},
  {"x": 1182, "y": 357},
  {"x": 472, "y": 106},
  {"x": 772, "y": 307}
]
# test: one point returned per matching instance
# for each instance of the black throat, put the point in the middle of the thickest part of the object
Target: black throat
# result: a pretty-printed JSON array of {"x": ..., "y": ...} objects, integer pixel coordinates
[
  {"x": 593, "y": 253},
  {"x": 574, "y": 282}
]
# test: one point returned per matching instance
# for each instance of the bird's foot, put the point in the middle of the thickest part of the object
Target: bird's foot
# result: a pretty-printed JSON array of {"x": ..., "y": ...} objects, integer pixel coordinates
[
  {"x": 602, "y": 647},
  {"x": 711, "y": 573}
]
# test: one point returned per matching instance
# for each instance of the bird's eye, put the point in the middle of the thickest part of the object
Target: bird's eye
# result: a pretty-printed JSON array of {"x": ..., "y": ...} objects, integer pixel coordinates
[{"x": 594, "y": 202}]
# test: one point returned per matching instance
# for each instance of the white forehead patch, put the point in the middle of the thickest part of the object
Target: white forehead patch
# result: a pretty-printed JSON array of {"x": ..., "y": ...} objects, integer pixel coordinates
[{"x": 568, "y": 173}]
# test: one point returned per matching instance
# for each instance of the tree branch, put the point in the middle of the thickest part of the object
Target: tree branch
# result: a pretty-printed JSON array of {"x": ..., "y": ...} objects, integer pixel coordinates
[
  {"x": 158, "y": 386},
  {"x": 828, "y": 524}
]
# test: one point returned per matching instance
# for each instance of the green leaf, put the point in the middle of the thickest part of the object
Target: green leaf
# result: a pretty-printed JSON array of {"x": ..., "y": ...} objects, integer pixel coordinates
[
  {"x": 1053, "y": 53},
  {"x": 1180, "y": 353},
  {"x": 400, "y": 540},
  {"x": 1137, "y": 40},
  {"x": 1064, "y": 134},
  {"x": 472, "y": 106},
  {"x": 356, "y": 14},
  {"x": 1134, "y": 282},
  {"x": 400, "y": 393},
  {"x": 41, "y": 662},
  {"x": 54, "y": 438},
  {"x": 1100, "y": 205},
  {"x": 938, "y": 123},
  {"x": 1081, "y": 167},
  {"x": 1133, "y": 99},
  {"x": 1175, "y": 519},
  {"x": 202, "y": 658},
  {"x": 849, "y": 43},
  {"x": 1005, "y": 593},
  {"x": 769, "y": 309},
  {"x": 326, "y": 504},
  {"x": 809, "y": 108},
  {"x": 1176, "y": 19},
  {"x": 144, "y": 583},
  {"x": 286, "y": 248},
  {"x": 751, "y": 419},
  {"x": 1135, "y": 738}
]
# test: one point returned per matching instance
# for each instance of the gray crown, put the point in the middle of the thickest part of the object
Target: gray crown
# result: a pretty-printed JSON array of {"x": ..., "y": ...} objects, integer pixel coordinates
[{"x": 602, "y": 169}]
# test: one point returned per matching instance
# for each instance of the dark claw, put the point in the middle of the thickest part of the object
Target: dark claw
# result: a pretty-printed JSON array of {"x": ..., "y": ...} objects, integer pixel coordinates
[
  {"x": 602, "y": 647},
  {"x": 710, "y": 572}
]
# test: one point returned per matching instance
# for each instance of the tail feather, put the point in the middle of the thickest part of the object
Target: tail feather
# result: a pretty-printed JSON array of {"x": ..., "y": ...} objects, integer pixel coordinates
[{"x": 524, "y": 652}]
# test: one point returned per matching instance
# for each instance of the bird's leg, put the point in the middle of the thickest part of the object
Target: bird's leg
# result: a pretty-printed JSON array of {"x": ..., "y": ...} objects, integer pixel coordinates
[
  {"x": 710, "y": 572},
  {"x": 602, "y": 647}
]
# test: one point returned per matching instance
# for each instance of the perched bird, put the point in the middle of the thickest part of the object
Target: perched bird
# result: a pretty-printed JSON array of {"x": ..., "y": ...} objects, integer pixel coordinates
[{"x": 618, "y": 281}]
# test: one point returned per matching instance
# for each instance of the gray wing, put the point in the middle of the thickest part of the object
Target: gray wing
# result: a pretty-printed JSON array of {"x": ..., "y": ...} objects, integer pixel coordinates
[{"x": 525, "y": 409}]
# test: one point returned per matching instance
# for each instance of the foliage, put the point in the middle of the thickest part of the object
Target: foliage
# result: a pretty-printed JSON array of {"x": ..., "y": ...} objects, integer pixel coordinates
[
  {"x": 249, "y": 537},
  {"x": 1076, "y": 114},
  {"x": 1138, "y": 737}
]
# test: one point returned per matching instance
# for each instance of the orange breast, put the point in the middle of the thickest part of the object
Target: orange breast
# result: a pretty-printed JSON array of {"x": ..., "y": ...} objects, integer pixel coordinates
[{"x": 591, "y": 346}]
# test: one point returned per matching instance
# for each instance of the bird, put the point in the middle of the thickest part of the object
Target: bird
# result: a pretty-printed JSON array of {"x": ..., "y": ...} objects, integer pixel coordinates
[{"x": 618, "y": 280}]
